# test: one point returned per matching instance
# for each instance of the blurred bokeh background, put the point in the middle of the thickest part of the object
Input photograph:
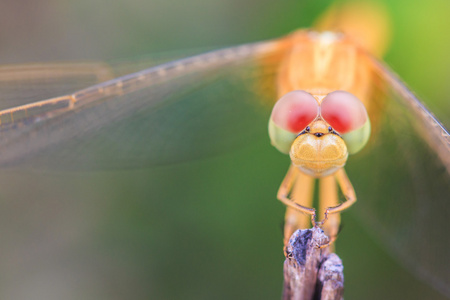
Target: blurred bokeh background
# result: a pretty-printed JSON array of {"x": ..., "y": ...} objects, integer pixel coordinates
[{"x": 207, "y": 229}]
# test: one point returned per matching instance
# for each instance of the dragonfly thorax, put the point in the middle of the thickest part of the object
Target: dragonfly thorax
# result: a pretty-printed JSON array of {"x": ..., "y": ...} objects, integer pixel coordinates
[{"x": 318, "y": 151}]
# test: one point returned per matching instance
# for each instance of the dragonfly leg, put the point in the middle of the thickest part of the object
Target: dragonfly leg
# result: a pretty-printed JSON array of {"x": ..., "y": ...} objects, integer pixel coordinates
[
  {"x": 296, "y": 193},
  {"x": 328, "y": 197},
  {"x": 347, "y": 190}
]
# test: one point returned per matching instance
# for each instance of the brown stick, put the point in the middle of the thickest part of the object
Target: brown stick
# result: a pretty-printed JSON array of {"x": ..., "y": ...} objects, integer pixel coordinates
[{"x": 310, "y": 272}]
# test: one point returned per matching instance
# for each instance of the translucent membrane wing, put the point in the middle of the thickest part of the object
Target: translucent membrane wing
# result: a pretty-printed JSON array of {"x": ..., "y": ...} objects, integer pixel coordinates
[
  {"x": 24, "y": 84},
  {"x": 172, "y": 112},
  {"x": 29, "y": 83},
  {"x": 405, "y": 194},
  {"x": 122, "y": 67}
]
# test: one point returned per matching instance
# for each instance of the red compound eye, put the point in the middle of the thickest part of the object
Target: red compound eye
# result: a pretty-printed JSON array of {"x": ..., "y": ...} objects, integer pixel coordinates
[
  {"x": 343, "y": 111},
  {"x": 294, "y": 111}
]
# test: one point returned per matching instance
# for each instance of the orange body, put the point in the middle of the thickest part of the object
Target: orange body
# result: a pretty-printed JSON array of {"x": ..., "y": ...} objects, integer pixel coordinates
[{"x": 320, "y": 63}]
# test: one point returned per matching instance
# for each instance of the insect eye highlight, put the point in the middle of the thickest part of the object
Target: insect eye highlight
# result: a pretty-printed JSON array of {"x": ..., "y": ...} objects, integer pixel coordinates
[
  {"x": 294, "y": 111},
  {"x": 290, "y": 117},
  {"x": 343, "y": 111},
  {"x": 348, "y": 118}
]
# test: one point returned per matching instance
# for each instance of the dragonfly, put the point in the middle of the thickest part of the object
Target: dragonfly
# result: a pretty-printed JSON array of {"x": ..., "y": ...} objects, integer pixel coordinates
[{"x": 95, "y": 116}]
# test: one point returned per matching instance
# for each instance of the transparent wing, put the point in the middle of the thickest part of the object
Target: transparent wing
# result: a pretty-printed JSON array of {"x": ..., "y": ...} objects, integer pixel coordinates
[
  {"x": 24, "y": 84},
  {"x": 405, "y": 192},
  {"x": 28, "y": 83},
  {"x": 168, "y": 113}
]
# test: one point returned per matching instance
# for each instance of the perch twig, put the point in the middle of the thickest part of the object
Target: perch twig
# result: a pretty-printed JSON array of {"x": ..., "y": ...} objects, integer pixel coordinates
[{"x": 310, "y": 272}]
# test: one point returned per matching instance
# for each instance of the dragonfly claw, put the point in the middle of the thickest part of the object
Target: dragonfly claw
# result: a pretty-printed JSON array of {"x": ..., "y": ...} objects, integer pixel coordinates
[{"x": 321, "y": 222}]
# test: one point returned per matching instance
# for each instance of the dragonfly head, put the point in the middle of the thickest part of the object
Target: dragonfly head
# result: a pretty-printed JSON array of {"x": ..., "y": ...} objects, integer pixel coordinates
[
  {"x": 319, "y": 150},
  {"x": 319, "y": 134}
]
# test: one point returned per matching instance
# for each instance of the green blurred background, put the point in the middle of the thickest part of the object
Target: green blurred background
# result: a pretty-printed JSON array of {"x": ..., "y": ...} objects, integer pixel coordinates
[{"x": 208, "y": 229}]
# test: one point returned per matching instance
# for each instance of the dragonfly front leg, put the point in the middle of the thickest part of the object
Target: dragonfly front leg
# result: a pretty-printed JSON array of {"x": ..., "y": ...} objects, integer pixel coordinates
[
  {"x": 328, "y": 197},
  {"x": 296, "y": 193},
  {"x": 347, "y": 190}
]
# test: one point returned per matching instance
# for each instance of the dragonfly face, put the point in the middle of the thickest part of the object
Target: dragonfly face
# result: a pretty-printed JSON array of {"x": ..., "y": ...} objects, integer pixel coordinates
[{"x": 318, "y": 150}]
